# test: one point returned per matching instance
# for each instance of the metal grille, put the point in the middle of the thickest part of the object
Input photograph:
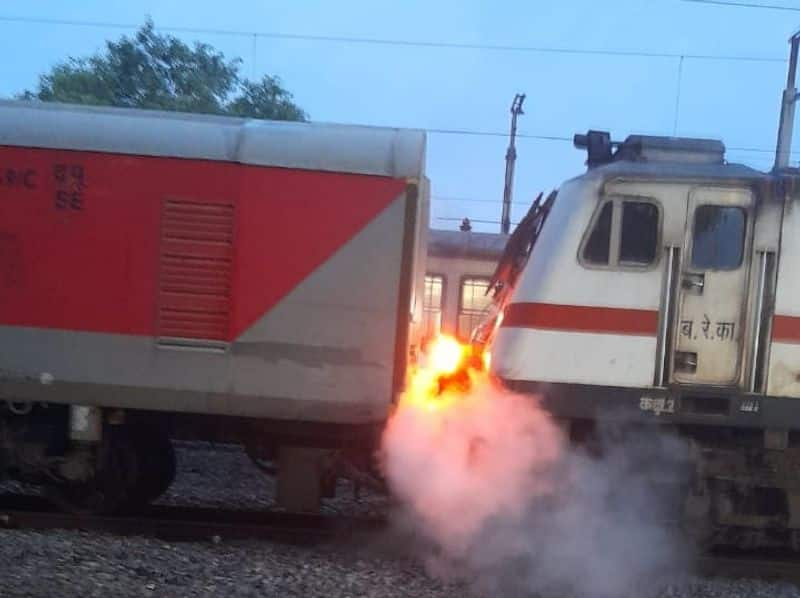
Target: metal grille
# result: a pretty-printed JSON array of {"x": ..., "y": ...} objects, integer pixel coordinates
[{"x": 195, "y": 275}]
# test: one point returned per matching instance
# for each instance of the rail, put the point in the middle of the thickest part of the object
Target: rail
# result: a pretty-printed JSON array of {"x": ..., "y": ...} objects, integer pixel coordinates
[
  {"x": 196, "y": 524},
  {"x": 175, "y": 523}
]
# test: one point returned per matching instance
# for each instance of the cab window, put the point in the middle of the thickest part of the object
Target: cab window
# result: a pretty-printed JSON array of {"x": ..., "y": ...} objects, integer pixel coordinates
[
  {"x": 597, "y": 246},
  {"x": 718, "y": 237},
  {"x": 624, "y": 233},
  {"x": 639, "y": 233}
]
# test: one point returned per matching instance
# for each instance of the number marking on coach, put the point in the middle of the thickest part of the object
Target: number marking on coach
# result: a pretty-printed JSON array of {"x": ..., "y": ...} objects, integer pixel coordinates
[
  {"x": 70, "y": 184},
  {"x": 657, "y": 406}
]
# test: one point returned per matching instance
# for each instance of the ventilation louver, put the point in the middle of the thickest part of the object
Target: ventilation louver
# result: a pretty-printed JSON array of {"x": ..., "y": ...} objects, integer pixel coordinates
[{"x": 195, "y": 274}]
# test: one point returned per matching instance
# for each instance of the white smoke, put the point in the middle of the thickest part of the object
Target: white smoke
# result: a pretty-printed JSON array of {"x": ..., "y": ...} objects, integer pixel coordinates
[{"x": 494, "y": 488}]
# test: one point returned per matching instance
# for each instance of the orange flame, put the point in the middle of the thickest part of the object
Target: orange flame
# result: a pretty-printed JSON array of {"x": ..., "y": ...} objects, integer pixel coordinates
[
  {"x": 446, "y": 355},
  {"x": 448, "y": 371}
]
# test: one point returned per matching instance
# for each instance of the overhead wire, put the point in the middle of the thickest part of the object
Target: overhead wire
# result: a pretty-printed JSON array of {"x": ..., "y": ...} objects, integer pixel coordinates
[
  {"x": 563, "y": 138},
  {"x": 478, "y": 220},
  {"x": 397, "y": 42},
  {"x": 420, "y": 43},
  {"x": 746, "y": 4},
  {"x": 442, "y": 45}
]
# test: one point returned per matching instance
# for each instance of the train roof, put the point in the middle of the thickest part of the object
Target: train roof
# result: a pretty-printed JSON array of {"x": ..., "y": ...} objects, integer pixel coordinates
[
  {"x": 380, "y": 151},
  {"x": 680, "y": 170},
  {"x": 659, "y": 157},
  {"x": 466, "y": 244}
]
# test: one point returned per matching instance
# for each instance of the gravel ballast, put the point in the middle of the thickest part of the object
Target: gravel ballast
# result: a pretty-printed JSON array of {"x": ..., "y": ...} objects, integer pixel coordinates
[
  {"x": 225, "y": 477},
  {"x": 78, "y": 564},
  {"x": 62, "y": 563},
  {"x": 65, "y": 564}
]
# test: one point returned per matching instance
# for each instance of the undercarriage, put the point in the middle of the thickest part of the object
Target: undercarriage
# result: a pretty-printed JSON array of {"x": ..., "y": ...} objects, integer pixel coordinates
[{"x": 90, "y": 459}]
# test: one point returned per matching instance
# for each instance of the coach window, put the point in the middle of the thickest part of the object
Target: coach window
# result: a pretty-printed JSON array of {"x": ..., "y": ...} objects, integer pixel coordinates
[
  {"x": 473, "y": 304},
  {"x": 625, "y": 233},
  {"x": 432, "y": 305}
]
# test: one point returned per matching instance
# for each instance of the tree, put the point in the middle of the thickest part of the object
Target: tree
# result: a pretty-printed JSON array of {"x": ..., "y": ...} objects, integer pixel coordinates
[
  {"x": 161, "y": 72},
  {"x": 265, "y": 99}
]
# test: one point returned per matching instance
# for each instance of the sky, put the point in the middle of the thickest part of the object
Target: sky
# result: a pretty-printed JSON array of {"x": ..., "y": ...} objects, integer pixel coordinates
[{"x": 445, "y": 88}]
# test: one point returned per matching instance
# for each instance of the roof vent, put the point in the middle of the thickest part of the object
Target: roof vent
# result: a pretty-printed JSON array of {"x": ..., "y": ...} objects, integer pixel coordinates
[
  {"x": 647, "y": 148},
  {"x": 671, "y": 149}
]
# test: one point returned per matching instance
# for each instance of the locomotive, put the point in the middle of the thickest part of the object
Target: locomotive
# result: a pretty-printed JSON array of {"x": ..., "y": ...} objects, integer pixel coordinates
[{"x": 660, "y": 288}]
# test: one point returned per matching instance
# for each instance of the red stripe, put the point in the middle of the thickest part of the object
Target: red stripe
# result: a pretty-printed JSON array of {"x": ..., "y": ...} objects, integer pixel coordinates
[
  {"x": 582, "y": 318},
  {"x": 786, "y": 329},
  {"x": 81, "y": 244}
]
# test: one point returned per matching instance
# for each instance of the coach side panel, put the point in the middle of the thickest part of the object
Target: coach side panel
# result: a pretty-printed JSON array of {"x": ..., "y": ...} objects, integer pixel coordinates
[{"x": 198, "y": 286}]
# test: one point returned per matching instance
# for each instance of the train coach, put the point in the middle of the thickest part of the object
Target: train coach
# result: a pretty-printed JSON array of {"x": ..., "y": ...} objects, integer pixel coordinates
[
  {"x": 182, "y": 276},
  {"x": 459, "y": 269}
]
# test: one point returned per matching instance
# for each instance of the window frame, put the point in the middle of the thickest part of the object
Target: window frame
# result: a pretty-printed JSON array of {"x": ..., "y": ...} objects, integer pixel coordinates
[
  {"x": 615, "y": 237},
  {"x": 459, "y": 306},
  {"x": 444, "y": 289},
  {"x": 442, "y": 305}
]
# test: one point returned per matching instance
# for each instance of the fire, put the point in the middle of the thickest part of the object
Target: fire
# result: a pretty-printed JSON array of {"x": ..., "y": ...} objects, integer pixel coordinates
[
  {"x": 458, "y": 448},
  {"x": 446, "y": 355},
  {"x": 447, "y": 373}
]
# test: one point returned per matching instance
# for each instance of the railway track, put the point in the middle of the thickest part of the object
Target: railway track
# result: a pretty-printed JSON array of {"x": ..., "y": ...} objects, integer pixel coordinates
[
  {"x": 209, "y": 524},
  {"x": 768, "y": 565},
  {"x": 174, "y": 523}
]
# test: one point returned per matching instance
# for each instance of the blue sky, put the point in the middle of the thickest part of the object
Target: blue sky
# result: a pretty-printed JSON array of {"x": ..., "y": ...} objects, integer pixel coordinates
[{"x": 446, "y": 88}]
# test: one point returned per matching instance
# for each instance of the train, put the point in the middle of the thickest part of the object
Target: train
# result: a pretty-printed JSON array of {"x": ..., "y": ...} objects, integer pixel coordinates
[
  {"x": 171, "y": 276},
  {"x": 659, "y": 288}
]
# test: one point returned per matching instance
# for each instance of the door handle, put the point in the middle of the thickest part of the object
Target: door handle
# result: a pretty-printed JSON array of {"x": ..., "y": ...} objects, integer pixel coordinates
[{"x": 694, "y": 282}]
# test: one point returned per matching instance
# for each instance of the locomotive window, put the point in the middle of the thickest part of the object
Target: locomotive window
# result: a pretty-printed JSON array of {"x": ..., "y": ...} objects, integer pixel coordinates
[
  {"x": 639, "y": 235},
  {"x": 474, "y": 302},
  {"x": 597, "y": 248},
  {"x": 718, "y": 237},
  {"x": 432, "y": 305}
]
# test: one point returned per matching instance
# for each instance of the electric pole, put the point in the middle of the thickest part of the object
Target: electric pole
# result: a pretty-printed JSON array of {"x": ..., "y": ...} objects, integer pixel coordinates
[
  {"x": 788, "y": 101},
  {"x": 511, "y": 157}
]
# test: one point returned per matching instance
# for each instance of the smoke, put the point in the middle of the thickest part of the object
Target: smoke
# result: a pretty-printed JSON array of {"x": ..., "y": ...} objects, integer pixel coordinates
[{"x": 504, "y": 503}]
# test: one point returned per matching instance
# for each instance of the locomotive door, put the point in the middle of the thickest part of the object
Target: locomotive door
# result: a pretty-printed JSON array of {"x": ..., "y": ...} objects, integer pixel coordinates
[{"x": 712, "y": 291}]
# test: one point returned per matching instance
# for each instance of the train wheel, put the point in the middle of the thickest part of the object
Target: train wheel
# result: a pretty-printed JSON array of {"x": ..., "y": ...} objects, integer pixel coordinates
[
  {"x": 134, "y": 468},
  {"x": 158, "y": 454},
  {"x": 118, "y": 466}
]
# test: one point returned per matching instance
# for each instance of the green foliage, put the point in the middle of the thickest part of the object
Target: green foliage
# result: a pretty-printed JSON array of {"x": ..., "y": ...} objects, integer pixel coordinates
[
  {"x": 161, "y": 72},
  {"x": 265, "y": 99}
]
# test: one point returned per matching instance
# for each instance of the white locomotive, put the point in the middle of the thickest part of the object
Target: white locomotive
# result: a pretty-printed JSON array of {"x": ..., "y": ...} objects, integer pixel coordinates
[{"x": 662, "y": 288}]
